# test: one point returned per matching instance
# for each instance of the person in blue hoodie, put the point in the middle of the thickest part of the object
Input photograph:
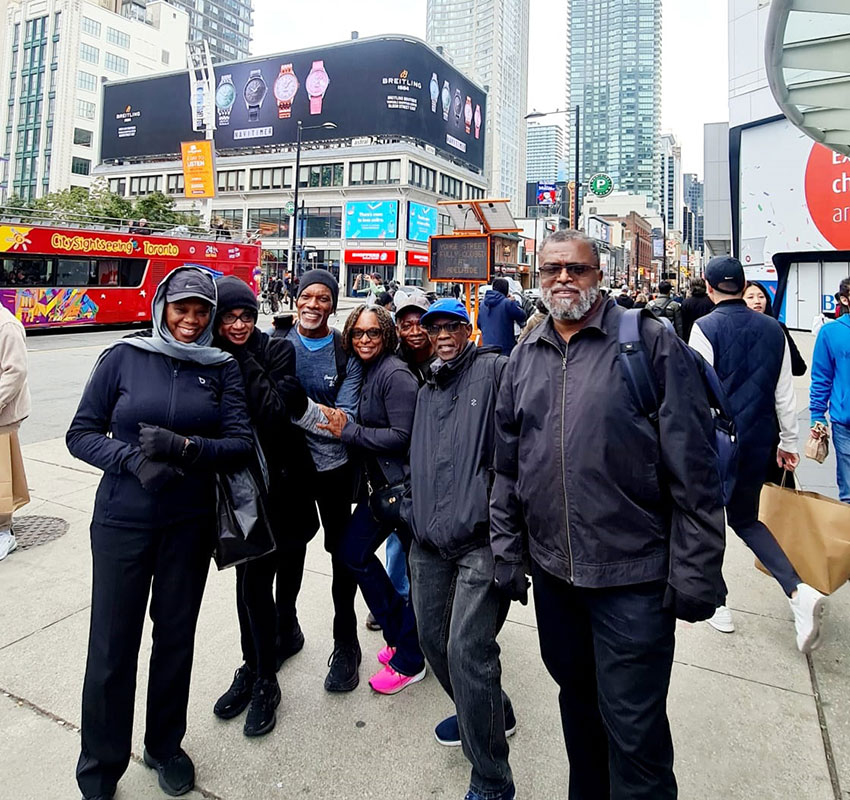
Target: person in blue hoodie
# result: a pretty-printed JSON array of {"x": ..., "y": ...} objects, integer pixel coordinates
[
  {"x": 830, "y": 390},
  {"x": 160, "y": 414},
  {"x": 497, "y": 317}
]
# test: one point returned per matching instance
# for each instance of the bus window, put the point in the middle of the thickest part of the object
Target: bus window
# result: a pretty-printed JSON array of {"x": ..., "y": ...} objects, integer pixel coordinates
[
  {"x": 73, "y": 272},
  {"x": 27, "y": 271},
  {"x": 107, "y": 271},
  {"x": 132, "y": 271}
]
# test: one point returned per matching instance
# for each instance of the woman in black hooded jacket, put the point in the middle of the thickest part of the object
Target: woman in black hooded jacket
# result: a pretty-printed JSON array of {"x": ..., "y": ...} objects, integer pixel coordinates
[{"x": 269, "y": 635}]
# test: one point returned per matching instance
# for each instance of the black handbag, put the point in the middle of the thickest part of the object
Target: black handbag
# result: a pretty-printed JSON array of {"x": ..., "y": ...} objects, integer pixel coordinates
[
  {"x": 385, "y": 504},
  {"x": 243, "y": 531}
]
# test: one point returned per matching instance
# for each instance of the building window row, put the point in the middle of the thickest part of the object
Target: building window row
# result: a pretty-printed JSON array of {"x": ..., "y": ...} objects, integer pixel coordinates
[
  {"x": 86, "y": 110},
  {"x": 116, "y": 63},
  {"x": 232, "y": 180},
  {"x": 451, "y": 187},
  {"x": 82, "y": 137},
  {"x": 145, "y": 184},
  {"x": 423, "y": 177},
  {"x": 89, "y": 54},
  {"x": 80, "y": 166},
  {"x": 118, "y": 37},
  {"x": 174, "y": 184},
  {"x": 86, "y": 81},
  {"x": 90, "y": 26},
  {"x": 368, "y": 173}
]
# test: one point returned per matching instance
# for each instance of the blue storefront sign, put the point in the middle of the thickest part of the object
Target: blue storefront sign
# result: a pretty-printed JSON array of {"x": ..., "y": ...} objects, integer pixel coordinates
[
  {"x": 421, "y": 222},
  {"x": 371, "y": 219}
]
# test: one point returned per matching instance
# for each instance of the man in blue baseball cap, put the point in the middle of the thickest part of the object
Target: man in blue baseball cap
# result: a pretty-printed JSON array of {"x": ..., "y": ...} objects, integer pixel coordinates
[{"x": 458, "y": 608}]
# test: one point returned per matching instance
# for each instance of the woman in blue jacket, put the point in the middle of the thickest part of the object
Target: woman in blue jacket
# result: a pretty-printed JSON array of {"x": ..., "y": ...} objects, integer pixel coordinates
[{"x": 159, "y": 415}]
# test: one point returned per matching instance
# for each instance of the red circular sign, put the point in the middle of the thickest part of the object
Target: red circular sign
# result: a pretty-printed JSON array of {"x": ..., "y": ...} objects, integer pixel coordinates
[{"x": 828, "y": 195}]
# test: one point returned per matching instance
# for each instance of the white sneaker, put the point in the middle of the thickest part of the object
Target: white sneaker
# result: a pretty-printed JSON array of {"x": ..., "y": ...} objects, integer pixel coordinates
[
  {"x": 808, "y": 606},
  {"x": 7, "y": 543},
  {"x": 722, "y": 620}
]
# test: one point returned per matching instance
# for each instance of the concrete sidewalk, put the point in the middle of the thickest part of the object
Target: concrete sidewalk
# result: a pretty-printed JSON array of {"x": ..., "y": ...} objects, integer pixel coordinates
[{"x": 752, "y": 718}]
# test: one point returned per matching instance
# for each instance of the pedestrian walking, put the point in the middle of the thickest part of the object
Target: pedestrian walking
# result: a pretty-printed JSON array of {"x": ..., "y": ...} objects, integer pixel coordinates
[
  {"x": 379, "y": 440},
  {"x": 641, "y": 300},
  {"x": 625, "y": 299},
  {"x": 664, "y": 306},
  {"x": 497, "y": 317},
  {"x": 459, "y": 610},
  {"x": 331, "y": 378},
  {"x": 15, "y": 407},
  {"x": 159, "y": 415},
  {"x": 751, "y": 356},
  {"x": 620, "y": 545},
  {"x": 830, "y": 389},
  {"x": 697, "y": 304},
  {"x": 274, "y": 396}
]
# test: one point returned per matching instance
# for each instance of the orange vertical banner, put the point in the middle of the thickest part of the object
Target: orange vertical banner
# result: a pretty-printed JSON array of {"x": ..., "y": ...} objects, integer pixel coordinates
[{"x": 198, "y": 168}]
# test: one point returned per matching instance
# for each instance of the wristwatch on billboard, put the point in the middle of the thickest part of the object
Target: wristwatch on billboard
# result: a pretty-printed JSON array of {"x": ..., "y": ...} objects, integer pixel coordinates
[
  {"x": 446, "y": 97},
  {"x": 285, "y": 88},
  {"x": 435, "y": 92},
  {"x": 225, "y": 96},
  {"x": 467, "y": 114},
  {"x": 477, "y": 118},
  {"x": 254, "y": 93},
  {"x": 457, "y": 105},
  {"x": 316, "y": 86}
]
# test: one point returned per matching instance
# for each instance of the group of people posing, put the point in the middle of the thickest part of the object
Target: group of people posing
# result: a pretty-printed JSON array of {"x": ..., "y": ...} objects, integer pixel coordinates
[{"x": 483, "y": 469}]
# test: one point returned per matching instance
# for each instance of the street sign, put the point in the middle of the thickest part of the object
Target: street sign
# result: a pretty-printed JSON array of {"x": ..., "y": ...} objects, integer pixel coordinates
[
  {"x": 601, "y": 185},
  {"x": 289, "y": 208}
]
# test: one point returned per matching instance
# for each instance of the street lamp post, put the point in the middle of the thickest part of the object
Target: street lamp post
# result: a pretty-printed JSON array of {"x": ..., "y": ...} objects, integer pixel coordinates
[{"x": 293, "y": 264}]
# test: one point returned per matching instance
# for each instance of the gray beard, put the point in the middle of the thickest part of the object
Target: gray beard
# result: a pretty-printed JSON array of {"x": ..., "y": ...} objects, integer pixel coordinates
[{"x": 569, "y": 310}]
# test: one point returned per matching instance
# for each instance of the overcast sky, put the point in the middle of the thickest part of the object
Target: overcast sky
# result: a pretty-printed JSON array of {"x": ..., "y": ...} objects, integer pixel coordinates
[{"x": 694, "y": 54}]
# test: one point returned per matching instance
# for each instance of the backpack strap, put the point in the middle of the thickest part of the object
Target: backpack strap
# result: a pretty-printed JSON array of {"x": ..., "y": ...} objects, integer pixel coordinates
[
  {"x": 341, "y": 358},
  {"x": 635, "y": 363}
]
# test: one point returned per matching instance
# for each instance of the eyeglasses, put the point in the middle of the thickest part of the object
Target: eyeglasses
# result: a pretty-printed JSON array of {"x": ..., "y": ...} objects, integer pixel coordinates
[
  {"x": 576, "y": 270},
  {"x": 406, "y": 327},
  {"x": 246, "y": 317},
  {"x": 436, "y": 328},
  {"x": 371, "y": 333}
]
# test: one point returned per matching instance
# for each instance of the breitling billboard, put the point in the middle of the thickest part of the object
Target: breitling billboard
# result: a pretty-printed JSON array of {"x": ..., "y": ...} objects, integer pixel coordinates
[{"x": 368, "y": 87}]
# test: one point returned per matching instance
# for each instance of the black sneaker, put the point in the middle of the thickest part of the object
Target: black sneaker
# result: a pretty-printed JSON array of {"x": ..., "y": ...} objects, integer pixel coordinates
[
  {"x": 371, "y": 623},
  {"x": 235, "y": 700},
  {"x": 286, "y": 648},
  {"x": 261, "y": 714},
  {"x": 176, "y": 773},
  {"x": 344, "y": 663}
]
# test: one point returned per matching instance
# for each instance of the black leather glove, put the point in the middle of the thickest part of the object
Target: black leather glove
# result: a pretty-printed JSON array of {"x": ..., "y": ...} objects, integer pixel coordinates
[
  {"x": 511, "y": 581},
  {"x": 154, "y": 475},
  {"x": 161, "y": 444},
  {"x": 687, "y": 608},
  {"x": 293, "y": 395}
]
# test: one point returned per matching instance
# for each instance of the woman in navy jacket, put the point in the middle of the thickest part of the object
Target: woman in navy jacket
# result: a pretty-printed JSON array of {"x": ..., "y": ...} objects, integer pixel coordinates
[{"x": 159, "y": 415}]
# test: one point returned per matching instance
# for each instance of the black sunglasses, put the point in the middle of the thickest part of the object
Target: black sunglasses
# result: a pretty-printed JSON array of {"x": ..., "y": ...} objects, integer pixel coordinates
[{"x": 576, "y": 270}]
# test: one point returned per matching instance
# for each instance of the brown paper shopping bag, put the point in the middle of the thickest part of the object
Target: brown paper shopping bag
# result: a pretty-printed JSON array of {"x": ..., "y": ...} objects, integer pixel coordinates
[
  {"x": 13, "y": 480},
  {"x": 813, "y": 531}
]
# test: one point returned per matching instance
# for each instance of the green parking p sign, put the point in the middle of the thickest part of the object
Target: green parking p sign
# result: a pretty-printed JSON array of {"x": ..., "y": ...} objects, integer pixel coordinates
[{"x": 601, "y": 185}]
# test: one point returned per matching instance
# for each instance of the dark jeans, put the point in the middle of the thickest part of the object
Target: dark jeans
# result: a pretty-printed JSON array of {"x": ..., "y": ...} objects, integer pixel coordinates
[
  {"x": 332, "y": 493},
  {"x": 742, "y": 517},
  {"x": 611, "y": 652},
  {"x": 394, "y": 614},
  {"x": 460, "y": 614},
  {"x": 170, "y": 566}
]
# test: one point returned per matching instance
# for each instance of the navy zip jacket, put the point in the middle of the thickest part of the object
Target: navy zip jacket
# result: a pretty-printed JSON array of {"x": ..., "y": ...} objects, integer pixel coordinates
[
  {"x": 130, "y": 386},
  {"x": 496, "y": 319}
]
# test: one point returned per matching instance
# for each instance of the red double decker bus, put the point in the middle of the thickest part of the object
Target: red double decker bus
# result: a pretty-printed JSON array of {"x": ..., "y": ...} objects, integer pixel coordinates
[{"x": 60, "y": 276}]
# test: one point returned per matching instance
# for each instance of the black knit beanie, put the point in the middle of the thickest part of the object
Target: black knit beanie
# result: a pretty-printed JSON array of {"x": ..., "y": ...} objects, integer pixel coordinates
[
  {"x": 233, "y": 293},
  {"x": 320, "y": 276}
]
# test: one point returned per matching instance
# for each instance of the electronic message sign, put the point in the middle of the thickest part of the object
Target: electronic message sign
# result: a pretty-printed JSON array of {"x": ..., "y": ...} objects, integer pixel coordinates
[
  {"x": 366, "y": 219},
  {"x": 421, "y": 222},
  {"x": 460, "y": 259},
  {"x": 367, "y": 87}
]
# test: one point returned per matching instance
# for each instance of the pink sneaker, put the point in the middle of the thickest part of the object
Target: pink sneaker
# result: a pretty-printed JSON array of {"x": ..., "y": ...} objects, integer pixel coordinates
[
  {"x": 388, "y": 681},
  {"x": 385, "y": 654}
]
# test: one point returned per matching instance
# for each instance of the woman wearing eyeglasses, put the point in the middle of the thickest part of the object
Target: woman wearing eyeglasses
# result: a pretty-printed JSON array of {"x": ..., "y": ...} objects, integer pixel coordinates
[
  {"x": 274, "y": 397},
  {"x": 379, "y": 441}
]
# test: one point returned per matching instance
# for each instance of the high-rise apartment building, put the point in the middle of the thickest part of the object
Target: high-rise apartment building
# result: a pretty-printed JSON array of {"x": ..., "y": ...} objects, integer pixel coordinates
[
  {"x": 224, "y": 24},
  {"x": 56, "y": 55},
  {"x": 615, "y": 79},
  {"x": 672, "y": 187},
  {"x": 544, "y": 152},
  {"x": 694, "y": 190},
  {"x": 488, "y": 41}
]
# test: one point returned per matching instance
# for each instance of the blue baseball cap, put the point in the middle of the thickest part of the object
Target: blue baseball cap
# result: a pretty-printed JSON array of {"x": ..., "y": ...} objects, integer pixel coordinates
[{"x": 447, "y": 307}]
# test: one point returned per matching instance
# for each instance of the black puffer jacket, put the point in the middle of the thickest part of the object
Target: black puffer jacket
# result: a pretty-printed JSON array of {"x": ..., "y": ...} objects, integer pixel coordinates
[
  {"x": 608, "y": 499},
  {"x": 451, "y": 453}
]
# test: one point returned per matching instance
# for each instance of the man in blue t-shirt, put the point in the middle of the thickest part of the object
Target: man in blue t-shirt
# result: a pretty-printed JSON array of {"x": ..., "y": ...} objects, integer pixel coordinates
[{"x": 332, "y": 379}]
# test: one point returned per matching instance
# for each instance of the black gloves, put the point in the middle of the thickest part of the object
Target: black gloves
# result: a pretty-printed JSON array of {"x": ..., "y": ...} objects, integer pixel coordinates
[
  {"x": 154, "y": 475},
  {"x": 161, "y": 444},
  {"x": 686, "y": 607},
  {"x": 294, "y": 396},
  {"x": 512, "y": 582}
]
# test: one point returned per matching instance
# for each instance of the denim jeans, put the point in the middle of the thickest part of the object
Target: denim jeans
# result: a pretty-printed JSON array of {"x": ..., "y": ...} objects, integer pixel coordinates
[
  {"x": 841, "y": 445},
  {"x": 611, "y": 652},
  {"x": 362, "y": 538},
  {"x": 397, "y": 565},
  {"x": 460, "y": 613}
]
